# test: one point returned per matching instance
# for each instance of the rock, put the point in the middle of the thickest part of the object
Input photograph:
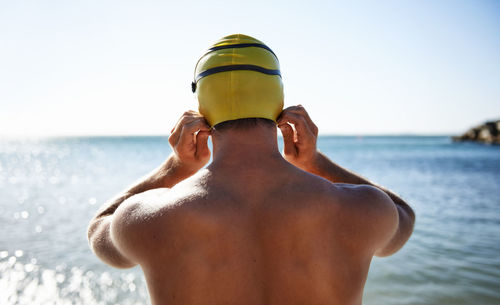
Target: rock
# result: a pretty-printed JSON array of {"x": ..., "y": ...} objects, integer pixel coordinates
[{"x": 488, "y": 132}]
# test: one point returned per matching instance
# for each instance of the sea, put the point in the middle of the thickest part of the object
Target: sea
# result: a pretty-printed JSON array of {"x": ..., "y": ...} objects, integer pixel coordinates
[{"x": 51, "y": 187}]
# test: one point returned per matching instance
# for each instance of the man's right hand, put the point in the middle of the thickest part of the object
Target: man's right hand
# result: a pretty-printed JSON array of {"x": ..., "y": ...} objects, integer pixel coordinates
[{"x": 299, "y": 141}]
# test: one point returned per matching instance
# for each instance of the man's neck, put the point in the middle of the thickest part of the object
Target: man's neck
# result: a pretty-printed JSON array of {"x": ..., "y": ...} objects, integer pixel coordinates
[{"x": 245, "y": 148}]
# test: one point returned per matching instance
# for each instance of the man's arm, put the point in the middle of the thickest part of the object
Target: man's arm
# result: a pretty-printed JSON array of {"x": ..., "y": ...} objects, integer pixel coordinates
[
  {"x": 190, "y": 153},
  {"x": 300, "y": 150}
]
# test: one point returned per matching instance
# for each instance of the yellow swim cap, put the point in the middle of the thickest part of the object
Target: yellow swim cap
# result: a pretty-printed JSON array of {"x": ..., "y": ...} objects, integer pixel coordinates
[{"x": 239, "y": 77}]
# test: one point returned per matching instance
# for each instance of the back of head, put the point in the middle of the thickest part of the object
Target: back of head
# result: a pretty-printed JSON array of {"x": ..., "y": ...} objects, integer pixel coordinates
[{"x": 238, "y": 78}]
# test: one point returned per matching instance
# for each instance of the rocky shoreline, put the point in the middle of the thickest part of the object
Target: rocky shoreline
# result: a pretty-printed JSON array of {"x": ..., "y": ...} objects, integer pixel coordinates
[{"x": 488, "y": 132}]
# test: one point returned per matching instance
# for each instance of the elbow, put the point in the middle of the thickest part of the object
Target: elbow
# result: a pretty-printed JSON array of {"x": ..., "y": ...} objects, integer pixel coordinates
[
  {"x": 95, "y": 237},
  {"x": 110, "y": 256},
  {"x": 92, "y": 231},
  {"x": 406, "y": 222},
  {"x": 412, "y": 217},
  {"x": 411, "y": 221}
]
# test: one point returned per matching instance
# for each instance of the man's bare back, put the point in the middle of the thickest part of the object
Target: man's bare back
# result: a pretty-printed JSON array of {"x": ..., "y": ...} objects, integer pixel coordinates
[{"x": 258, "y": 231}]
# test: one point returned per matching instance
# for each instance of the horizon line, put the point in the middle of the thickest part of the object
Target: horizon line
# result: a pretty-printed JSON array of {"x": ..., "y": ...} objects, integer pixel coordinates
[{"x": 75, "y": 136}]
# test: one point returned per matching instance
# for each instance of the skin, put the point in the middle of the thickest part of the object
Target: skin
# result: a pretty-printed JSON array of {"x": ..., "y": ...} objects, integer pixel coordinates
[{"x": 255, "y": 226}]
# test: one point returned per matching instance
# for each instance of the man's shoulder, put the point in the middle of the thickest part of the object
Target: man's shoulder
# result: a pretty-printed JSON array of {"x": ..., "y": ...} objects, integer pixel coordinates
[
  {"x": 357, "y": 192},
  {"x": 313, "y": 191},
  {"x": 367, "y": 197},
  {"x": 143, "y": 202},
  {"x": 337, "y": 192},
  {"x": 362, "y": 200},
  {"x": 152, "y": 202},
  {"x": 141, "y": 221},
  {"x": 136, "y": 212}
]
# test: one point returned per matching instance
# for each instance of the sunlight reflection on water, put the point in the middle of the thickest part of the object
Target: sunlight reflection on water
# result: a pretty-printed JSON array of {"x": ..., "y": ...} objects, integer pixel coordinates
[{"x": 29, "y": 283}]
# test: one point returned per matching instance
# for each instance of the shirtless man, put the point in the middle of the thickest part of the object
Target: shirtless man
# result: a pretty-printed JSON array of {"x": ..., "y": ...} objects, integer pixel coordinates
[{"x": 253, "y": 227}]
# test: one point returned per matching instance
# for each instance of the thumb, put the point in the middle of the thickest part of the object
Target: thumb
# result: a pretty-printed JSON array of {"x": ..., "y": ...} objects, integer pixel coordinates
[
  {"x": 287, "y": 132},
  {"x": 202, "y": 150}
]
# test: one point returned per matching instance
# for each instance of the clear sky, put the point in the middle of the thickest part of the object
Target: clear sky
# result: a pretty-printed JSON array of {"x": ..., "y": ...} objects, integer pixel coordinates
[{"x": 359, "y": 67}]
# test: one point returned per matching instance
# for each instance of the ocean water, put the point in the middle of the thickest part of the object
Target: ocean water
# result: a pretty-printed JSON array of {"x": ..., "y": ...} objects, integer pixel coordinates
[{"x": 50, "y": 188}]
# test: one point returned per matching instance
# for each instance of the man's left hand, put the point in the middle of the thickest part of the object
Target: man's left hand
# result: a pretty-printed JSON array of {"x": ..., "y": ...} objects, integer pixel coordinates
[{"x": 189, "y": 140}]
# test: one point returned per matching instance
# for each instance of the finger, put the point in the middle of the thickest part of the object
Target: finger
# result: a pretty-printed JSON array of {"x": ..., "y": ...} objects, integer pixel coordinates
[
  {"x": 304, "y": 136},
  {"x": 185, "y": 119},
  {"x": 300, "y": 110},
  {"x": 188, "y": 113},
  {"x": 287, "y": 116},
  {"x": 176, "y": 130},
  {"x": 288, "y": 136},
  {"x": 202, "y": 150},
  {"x": 174, "y": 137},
  {"x": 279, "y": 119},
  {"x": 187, "y": 138},
  {"x": 176, "y": 123},
  {"x": 297, "y": 120}
]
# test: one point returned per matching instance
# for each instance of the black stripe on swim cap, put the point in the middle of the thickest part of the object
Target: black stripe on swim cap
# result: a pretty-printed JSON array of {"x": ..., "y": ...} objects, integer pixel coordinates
[
  {"x": 241, "y": 45},
  {"x": 233, "y": 68}
]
